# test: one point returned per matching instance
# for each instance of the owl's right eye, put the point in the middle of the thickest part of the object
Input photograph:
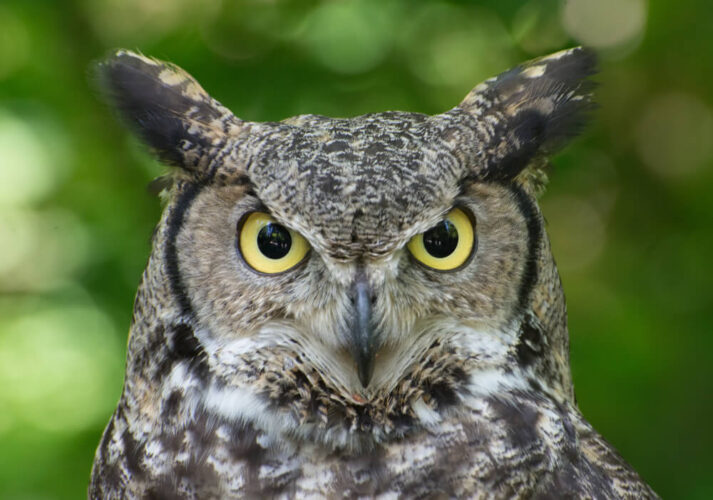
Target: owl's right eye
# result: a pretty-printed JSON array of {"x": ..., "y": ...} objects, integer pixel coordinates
[{"x": 267, "y": 246}]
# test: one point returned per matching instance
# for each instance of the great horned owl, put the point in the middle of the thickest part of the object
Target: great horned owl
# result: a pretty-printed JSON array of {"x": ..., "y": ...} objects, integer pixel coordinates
[{"x": 362, "y": 307}]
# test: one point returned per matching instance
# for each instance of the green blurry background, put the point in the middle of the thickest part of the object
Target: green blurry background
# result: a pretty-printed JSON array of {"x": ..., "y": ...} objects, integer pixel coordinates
[{"x": 629, "y": 205}]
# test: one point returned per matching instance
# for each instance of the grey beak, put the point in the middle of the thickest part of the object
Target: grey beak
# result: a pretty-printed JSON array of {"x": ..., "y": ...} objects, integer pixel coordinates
[{"x": 363, "y": 337}]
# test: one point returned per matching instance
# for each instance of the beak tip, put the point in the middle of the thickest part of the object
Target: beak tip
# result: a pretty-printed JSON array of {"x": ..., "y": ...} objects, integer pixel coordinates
[
  {"x": 365, "y": 367},
  {"x": 365, "y": 377},
  {"x": 363, "y": 337}
]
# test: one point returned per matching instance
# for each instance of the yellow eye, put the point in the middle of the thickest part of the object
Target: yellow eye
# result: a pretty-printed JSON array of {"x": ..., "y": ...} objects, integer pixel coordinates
[
  {"x": 448, "y": 244},
  {"x": 269, "y": 247}
]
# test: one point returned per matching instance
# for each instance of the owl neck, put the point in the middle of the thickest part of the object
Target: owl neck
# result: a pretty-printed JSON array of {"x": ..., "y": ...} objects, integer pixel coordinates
[{"x": 276, "y": 392}]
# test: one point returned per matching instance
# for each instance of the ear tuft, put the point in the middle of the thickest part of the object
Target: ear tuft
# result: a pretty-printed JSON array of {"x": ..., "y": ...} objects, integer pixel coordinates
[
  {"x": 531, "y": 110},
  {"x": 166, "y": 107}
]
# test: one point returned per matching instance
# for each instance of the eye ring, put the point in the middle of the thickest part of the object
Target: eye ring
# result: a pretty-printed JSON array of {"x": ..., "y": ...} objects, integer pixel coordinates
[
  {"x": 268, "y": 247},
  {"x": 449, "y": 245}
]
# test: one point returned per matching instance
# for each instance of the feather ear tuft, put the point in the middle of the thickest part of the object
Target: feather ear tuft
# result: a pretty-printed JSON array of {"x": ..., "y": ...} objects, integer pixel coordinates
[
  {"x": 530, "y": 111},
  {"x": 167, "y": 108}
]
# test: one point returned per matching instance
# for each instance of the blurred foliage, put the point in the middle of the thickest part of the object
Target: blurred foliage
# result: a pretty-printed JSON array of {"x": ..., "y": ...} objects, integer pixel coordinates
[{"x": 629, "y": 205}]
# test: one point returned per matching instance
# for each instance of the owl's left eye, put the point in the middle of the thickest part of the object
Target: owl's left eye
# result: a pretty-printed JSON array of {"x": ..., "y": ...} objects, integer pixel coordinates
[
  {"x": 267, "y": 246},
  {"x": 448, "y": 244}
]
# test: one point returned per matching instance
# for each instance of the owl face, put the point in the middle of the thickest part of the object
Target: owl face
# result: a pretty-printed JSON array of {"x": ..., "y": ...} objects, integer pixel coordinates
[
  {"x": 363, "y": 254},
  {"x": 314, "y": 304}
]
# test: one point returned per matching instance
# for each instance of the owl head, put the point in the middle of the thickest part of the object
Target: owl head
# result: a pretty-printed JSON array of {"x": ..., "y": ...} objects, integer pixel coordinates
[{"x": 387, "y": 264}]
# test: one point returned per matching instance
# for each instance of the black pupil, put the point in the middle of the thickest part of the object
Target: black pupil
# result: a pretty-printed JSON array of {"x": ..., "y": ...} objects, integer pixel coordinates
[
  {"x": 274, "y": 241},
  {"x": 441, "y": 240}
]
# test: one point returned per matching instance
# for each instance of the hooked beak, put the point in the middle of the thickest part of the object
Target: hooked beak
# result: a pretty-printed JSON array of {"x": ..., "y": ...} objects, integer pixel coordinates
[{"x": 363, "y": 337}]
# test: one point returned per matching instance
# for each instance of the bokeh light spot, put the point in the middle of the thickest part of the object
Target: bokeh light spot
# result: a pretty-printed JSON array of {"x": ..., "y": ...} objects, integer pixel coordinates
[
  {"x": 40, "y": 250},
  {"x": 348, "y": 37},
  {"x": 673, "y": 135},
  {"x": 27, "y": 170},
  {"x": 451, "y": 46},
  {"x": 605, "y": 24},
  {"x": 58, "y": 367}
]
